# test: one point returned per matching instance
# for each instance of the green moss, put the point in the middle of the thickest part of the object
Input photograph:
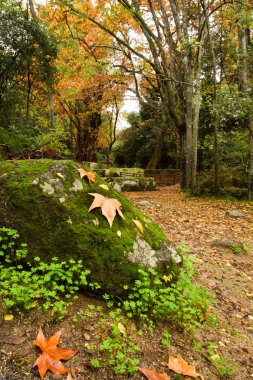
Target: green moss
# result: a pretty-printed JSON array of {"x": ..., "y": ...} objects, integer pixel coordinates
[{"x": 60, "y": 225}]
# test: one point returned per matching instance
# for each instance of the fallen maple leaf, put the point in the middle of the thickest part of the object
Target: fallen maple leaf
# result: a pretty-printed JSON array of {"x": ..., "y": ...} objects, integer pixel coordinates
[
  {"x": 89, "y": 175},
  {"x": 109, "y": 206},
  {"x": 103, "y": 186},
  {"x": 153, "y": 375},
  {"x": 179, "y": 365},
  {"x": 71, "y": 374},
  {"x": 8, "y": 317},
  {"x": 51, "y": 355},
  {"x": 122, "y": 328},
  {"x": 138, "y": 225},
  {"x": 70, "y": 377}
]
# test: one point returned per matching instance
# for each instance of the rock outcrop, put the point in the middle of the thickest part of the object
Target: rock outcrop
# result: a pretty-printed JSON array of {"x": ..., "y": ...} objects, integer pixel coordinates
[{"x": 48, "y": 203}]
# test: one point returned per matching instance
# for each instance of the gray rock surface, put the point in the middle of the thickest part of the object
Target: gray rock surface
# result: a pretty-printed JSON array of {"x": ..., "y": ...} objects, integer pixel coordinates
[{"x": 235, "y": 214}]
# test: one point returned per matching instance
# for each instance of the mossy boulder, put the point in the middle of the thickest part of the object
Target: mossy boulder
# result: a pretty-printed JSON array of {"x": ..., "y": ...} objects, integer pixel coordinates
[{"x": 48, "y": 203}]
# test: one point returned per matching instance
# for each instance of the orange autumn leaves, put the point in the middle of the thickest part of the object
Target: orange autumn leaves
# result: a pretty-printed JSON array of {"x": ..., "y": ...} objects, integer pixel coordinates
[
  {"x": 109, "y": 206},
  {"x": 90, "y": 175},
  {"x": 176, "y": 364},
  {"x": 153, "y": 375},
  {"x": 51, "y": 356}
]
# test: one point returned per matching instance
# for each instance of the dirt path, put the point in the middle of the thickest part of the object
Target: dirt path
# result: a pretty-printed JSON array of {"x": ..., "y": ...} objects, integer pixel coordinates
[{"x": 223, "y": 247}]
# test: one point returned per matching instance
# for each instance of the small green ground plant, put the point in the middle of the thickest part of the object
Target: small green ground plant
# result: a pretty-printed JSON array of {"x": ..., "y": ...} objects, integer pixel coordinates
[
  {"x": 118, "y": 349},
  {"x": 114, "y": 343},
  {"x": 237, "y": 249},
  {"x": 222, "y": 366},
  {"x": 154, "y": 297},
  {"x": 50, "y": 286}
]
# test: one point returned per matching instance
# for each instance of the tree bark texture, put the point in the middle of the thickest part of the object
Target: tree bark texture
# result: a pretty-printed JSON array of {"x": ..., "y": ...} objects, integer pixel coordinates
[{"x": 244, "y": 76}]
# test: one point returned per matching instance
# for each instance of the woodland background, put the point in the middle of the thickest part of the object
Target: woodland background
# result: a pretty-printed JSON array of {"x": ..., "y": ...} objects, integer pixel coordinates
[{"x": 67, "y": 67}]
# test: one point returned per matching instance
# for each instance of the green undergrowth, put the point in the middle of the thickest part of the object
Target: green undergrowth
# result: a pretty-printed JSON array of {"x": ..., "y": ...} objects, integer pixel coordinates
[
  {"x": 223, "y": 368},
  {"x": 53, "y": 285},
  {"x": 154, "y": 297},
  {"x": 115, "y": 343}
]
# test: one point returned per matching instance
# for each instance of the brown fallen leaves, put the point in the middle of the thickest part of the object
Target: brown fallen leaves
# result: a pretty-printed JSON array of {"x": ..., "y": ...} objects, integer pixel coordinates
[
  {"x": 109, "y": 206},
  {"x": 178, "y": 365},
  {"x": 51, "y": 354},
  {"x": 153, "y": 375}
]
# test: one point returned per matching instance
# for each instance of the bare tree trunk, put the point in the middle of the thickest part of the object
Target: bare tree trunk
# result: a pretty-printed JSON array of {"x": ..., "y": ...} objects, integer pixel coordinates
[
  {"x": 196, "y": 111},
  {"x": 244, "y": 41},
  {"x": 28, "y": 98},
  {"x": 49, "y": 80},
  {"x": 51, "y": 104},
  {"x": 251, "y": 158},
  {"x": 156, "y": 156},
  {"x": 215, "y": 118},
  {"x": 113, "y": 132}
]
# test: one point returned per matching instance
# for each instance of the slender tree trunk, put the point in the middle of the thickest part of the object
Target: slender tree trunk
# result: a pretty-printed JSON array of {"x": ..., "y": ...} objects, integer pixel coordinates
[
  {"x": 196, "y": 111},
  {"x": 244, "y": 41},
  {"x": 51, "y": 105},
  {"x": 28, "y": 98},
  {"x": 215, "y": 118},
  {"x": 112, "y": 132},
  {"x": 183, "y": 156},
  {"x": 49, "y": 80},
  {"x": 157, "y": 153},
  {"x": 251, "y": 158}
]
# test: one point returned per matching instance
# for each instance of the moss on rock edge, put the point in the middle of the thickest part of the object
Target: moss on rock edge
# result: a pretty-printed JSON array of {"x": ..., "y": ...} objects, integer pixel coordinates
[{"x": 47, "y": 202}]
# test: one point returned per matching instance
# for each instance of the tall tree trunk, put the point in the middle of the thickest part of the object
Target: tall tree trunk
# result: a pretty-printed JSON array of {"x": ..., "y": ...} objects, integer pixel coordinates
[
  {"x": 51, "y": 104},
  {"x": 49, "y": 79},
  {"x": 157, "y": 153},
  {"x": 251, "y": 158},
  {"x": 196, "y": 111},
  {"x": 28, "y": 98},
  {"x": 244, "y": 41},
  {"x": 113, "y": 126},
  {"x": 215, "y": 118},
  {"x": 166, "y": 123}
]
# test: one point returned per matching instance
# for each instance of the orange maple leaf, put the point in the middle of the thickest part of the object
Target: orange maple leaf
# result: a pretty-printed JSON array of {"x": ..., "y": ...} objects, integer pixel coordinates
[
  {"x": 153, "y": 375},
  {"x": 51, "y": 355},
  {"x": 179, "y": 365},
  {"x": 89, "y": 175},
  {"x": 109, "y": 206}
]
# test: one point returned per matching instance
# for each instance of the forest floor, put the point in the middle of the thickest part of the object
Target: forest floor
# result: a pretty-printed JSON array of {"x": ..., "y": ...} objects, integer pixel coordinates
[{"x": 221, "y": 349}]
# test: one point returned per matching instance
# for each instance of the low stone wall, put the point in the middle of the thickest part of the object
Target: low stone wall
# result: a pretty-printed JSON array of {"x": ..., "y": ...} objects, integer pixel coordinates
[
  {"x": 131, "y": 183},
  {"x": 164, "y": 177}
]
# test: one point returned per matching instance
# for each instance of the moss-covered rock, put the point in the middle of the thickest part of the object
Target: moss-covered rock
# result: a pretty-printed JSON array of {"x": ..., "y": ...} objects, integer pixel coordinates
[{"x": 48, "y": 203}]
